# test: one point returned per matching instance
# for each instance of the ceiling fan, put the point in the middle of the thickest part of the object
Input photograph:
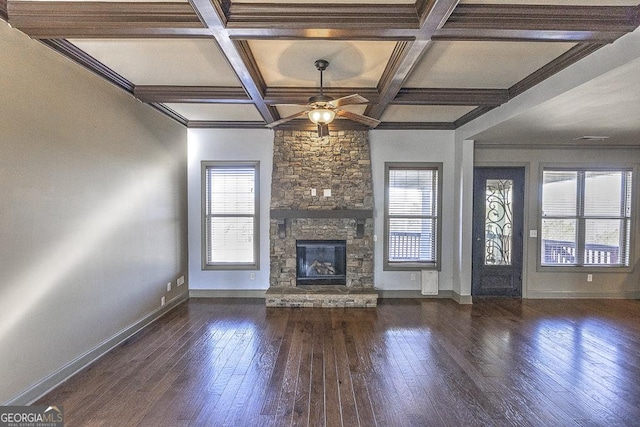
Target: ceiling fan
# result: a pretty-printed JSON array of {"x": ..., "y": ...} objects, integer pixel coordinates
[{"x": 322, "y": 109}]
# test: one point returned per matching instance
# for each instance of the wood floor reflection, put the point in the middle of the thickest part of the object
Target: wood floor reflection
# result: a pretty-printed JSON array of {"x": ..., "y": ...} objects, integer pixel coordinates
[{"x": 409, "y": 362}]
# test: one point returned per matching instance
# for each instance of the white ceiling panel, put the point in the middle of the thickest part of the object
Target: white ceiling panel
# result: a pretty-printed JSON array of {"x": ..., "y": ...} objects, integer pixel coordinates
[
  {"x": 351, "y": 63},
  {"x": 424, "y": 113},
  {"x": 163, "y": 61},
  {"x": 217, "y": 112},
  {"x": 457, "y": 64}
]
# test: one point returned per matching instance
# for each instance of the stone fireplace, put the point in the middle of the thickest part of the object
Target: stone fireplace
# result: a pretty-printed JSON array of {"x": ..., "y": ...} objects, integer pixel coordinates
[{"x": 322, "y": 191}]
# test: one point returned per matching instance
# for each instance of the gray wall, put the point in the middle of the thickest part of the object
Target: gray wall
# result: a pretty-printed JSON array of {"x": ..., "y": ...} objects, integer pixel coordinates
[
  {"x": 545, "y": 284},
  {"x": 92, "y": 214}
]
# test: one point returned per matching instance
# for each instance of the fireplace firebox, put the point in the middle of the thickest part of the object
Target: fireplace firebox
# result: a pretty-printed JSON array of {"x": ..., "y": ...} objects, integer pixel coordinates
[{"x": 321, "y": 262}]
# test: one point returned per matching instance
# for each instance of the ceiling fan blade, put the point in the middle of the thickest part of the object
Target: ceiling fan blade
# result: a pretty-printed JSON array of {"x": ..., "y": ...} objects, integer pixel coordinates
[
  {"x": 349, "y": 100},
  {"x": 368, "y": 121},
  {"x": 286, "y": 119}
]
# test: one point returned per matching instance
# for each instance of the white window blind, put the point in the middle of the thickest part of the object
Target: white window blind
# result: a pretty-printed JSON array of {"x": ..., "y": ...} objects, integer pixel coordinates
[
  {"x": 412, "y": 215},
  {"x": 230, "y": 214},
  {"x": 586, "y": 218}
]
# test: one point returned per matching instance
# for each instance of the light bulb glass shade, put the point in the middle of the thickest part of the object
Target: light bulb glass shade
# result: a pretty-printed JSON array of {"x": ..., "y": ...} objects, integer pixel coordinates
[{"x": 322, "y": 115}]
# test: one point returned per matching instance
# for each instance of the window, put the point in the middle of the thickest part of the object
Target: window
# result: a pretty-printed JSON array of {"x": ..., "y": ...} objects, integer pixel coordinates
[
  {"x": 586, "y": 217},
  {"x": 412, "y": 212},
  {"x": 231, "y": 206}
]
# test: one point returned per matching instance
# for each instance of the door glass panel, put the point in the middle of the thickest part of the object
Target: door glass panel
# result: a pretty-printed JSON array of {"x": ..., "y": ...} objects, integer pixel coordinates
[{"x": 498, "y": 223}]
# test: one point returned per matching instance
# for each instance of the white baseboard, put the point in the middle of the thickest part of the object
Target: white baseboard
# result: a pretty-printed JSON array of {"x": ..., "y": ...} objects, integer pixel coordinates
[{"x": 58, "y": 377}]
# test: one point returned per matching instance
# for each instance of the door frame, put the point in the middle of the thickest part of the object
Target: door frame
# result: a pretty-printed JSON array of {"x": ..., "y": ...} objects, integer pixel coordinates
[{"x": 526, "y": 240}]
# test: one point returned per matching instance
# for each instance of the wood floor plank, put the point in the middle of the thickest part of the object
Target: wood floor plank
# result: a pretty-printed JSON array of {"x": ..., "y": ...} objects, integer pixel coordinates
[{"x": 412, "y": 362}]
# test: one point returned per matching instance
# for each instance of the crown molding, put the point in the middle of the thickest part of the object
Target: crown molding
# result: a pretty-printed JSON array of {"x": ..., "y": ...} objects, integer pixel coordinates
[
  {"x": 75, "y": 54},
  {"x": 170, "y": 113},
  {"x": 218, "y": 124}
]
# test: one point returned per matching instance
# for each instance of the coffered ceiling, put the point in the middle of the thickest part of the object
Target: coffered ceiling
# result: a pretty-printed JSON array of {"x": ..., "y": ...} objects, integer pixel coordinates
[{"x": 424, "y": 64}]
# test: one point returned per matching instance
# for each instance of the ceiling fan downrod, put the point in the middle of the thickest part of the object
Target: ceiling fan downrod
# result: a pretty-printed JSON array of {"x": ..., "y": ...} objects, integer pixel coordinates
[{"x": 321, "y": 65}]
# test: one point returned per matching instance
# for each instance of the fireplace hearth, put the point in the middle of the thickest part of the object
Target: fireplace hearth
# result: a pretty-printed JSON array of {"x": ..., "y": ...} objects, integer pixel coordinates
[{"x": 321, "y": 262}]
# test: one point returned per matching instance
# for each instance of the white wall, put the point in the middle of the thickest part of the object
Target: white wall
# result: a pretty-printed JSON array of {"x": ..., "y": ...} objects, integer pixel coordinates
[
  {"x": 232, "y": 145},
  {"x": 413, "y": 146},
  {"x": 92, "y": 214},
  {"x": 542, "y": 284}
]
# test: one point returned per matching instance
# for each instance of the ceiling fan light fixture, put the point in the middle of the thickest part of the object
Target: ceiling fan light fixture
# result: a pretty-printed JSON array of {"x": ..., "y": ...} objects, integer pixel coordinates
[{"x": 322, "y": 116}]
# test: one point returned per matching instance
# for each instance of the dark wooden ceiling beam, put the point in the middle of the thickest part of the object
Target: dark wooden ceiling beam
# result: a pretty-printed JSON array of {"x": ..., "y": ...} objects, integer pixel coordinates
[
  {"x": 416, "y": 126},
  {"x": 539, "y": 23},
  {"x": 544, "y": 17},
  {"x": 335, "y": 15},
  {"x": 3, "y": 10},
  {"x": 211, "y": 14},
  {"x": 301, "y": 95},
  {"x": 57, "y": 19},
  {"x": 481, "y": 34},
  {"x": 357, "y": 32},
  {"x": 407, "y": 54},
  {"x": 472, "y": 115},
  {"x": 442, "y": 96},
  {"x": 192, "y": 94}
]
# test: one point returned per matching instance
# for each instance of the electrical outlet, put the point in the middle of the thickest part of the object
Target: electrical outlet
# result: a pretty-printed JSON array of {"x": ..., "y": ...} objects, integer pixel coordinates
[
  {"x": 327, "y": 192},
  {"x": 375, "y": 237},
  {"x": 162, "y": 301},
  {"x": 589, "y": 277},
  {"x": 253, "y": 276},
  {"x": 313, "y": 192},
  {"x": 169, "y": 287},
  {"x": 180, "y": 280}
]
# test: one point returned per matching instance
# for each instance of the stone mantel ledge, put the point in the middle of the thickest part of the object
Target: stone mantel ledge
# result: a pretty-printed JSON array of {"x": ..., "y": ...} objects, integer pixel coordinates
[{"x": 321, "y": 213}]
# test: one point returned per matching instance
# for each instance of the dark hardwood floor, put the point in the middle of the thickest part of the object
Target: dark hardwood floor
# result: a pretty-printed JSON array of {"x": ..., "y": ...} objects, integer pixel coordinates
[{"x": 223, "y": 362}]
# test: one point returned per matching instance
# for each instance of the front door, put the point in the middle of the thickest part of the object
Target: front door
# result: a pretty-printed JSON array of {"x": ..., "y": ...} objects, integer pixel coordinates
[{"x": 498, "y": 205}]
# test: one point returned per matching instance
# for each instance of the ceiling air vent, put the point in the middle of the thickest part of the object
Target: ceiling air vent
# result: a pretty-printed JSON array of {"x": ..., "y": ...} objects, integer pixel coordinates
[{"x": 592, "y": 138}]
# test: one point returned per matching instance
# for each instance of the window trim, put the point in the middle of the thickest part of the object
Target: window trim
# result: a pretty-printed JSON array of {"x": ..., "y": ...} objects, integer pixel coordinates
[
  {"x": 588, "y": 268},
  {"x": 413, "y": 265},
  {"x": 256, "y": 218}
]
